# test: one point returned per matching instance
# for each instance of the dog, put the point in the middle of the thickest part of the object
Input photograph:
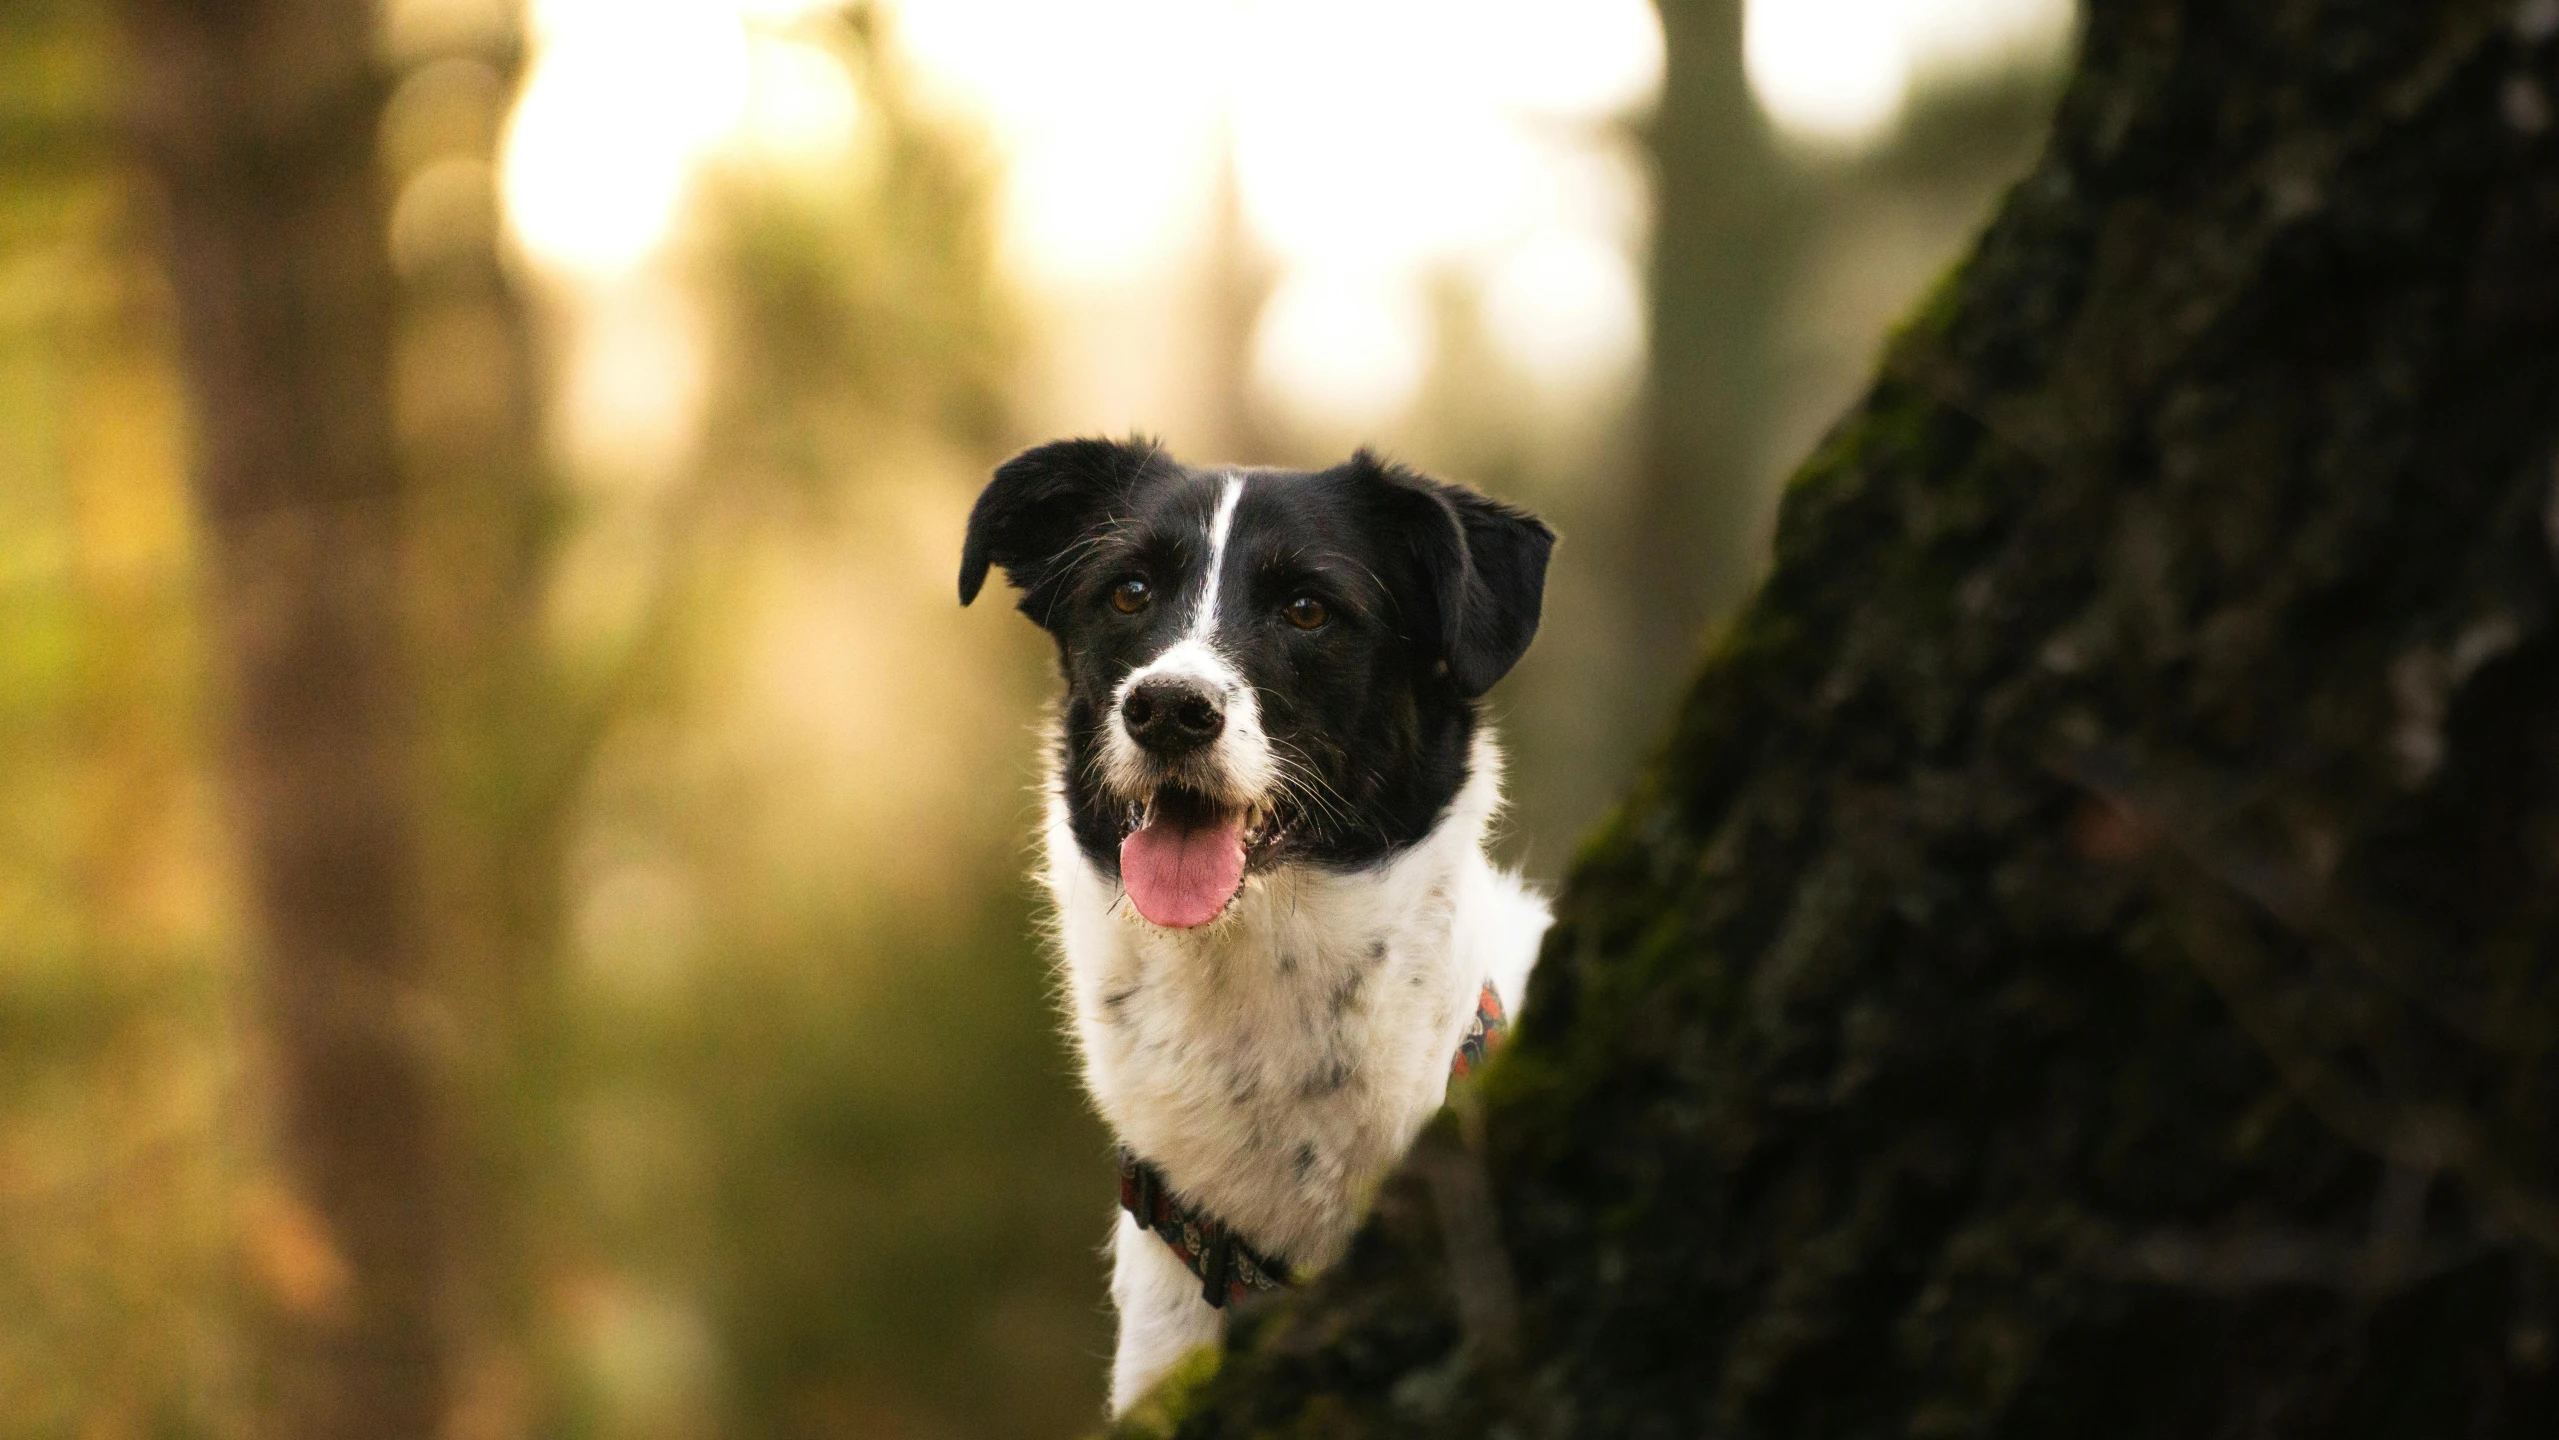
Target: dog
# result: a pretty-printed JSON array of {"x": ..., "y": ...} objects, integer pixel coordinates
[{"x": 1269, "y": 787}]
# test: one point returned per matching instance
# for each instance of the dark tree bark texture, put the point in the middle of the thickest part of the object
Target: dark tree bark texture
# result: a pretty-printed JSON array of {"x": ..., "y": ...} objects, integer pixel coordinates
[
  {"x": 2087, "y": 961},
  {"x": 257, "y": 120}
]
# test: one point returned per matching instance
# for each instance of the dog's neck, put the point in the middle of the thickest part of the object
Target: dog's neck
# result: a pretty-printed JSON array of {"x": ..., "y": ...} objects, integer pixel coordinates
[{"x": 1274, "y": 1063}]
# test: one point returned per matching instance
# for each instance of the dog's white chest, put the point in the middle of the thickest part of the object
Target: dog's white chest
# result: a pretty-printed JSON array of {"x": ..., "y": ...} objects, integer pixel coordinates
[{"x": 1273, "y": 1065}]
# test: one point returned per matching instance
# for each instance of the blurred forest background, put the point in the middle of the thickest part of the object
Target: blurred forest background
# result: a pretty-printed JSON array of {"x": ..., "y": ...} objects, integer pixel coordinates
[{"x": 706, "y": 318}]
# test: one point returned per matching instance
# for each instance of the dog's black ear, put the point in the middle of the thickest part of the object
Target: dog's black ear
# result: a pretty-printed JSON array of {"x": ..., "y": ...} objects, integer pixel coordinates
[
  {"x": 1040, "y": 503},
  {"x": 1481, "y": 568}
]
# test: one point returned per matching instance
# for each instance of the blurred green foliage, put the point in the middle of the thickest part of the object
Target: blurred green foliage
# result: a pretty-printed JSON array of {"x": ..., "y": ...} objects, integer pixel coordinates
[
  {"x": 121, "y": 1082},
  {"x": 816, "y": 1163},
  {"x": 822, "y": 1168},
  {"x": 837, "y": 1117}
]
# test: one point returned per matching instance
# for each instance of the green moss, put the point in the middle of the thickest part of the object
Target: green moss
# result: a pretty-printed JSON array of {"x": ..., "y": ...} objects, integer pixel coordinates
[
  {"x": 1934, "y": 317},
  {"x": 1158, "y": 1415}
]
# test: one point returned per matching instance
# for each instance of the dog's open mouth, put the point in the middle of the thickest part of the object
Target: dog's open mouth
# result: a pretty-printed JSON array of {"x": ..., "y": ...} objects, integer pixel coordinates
[{"x": 1185, "y": 855}]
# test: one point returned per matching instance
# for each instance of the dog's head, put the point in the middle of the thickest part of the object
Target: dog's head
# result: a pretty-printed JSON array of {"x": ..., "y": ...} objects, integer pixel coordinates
[{"x": 1263, "y": 667}]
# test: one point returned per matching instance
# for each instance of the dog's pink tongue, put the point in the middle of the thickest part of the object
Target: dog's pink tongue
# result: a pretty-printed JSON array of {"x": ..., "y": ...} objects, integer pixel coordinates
[{"x": 1181, "y": 876}]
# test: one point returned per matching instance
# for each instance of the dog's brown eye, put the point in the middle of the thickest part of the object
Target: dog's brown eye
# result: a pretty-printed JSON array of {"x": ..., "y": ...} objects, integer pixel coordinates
[
  {"x": 1305, "y": 612},
  {"x": 1131, "y": 595}
]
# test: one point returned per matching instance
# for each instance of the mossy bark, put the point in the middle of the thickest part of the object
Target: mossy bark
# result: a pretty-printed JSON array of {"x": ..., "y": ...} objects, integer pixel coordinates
[{"x": 2086, "y": 960}]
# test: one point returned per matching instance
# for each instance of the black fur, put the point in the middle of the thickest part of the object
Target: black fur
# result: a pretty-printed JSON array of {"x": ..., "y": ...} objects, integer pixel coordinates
[{"x": 1431, "y": 594}]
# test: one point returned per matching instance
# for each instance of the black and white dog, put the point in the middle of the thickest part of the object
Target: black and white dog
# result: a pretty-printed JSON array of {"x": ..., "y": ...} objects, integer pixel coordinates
[{"x": 1267, "y": 804}]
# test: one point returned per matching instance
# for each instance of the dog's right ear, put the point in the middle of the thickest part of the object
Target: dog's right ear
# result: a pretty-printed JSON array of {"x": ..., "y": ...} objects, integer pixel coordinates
[
  {"x": 1478, "y": 580},
  {"x": 1040, "y": 503}
]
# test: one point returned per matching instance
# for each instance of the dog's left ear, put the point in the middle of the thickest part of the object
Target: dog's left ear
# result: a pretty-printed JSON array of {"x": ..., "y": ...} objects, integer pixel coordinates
[
  {"x": 1482, "y": 567},
  {"x": 1039, "y": 504}
]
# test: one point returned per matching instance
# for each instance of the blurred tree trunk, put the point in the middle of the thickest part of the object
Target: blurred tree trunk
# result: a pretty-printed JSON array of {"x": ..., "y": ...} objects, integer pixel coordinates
[
  {"x": 1728, "y": 234},
  {"x": 258, "y": 122},
  {"x": 1234, "y": 283},
  {"x": 2087, "y": 961},
  {"x": 505, "y": 750}
]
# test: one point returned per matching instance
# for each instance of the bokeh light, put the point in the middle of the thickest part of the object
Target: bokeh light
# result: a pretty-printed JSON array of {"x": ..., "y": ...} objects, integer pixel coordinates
[
  {"x": 1395, "y": 138},
  {"x": 1840, "y": 71},
  {"x": 1104, "y": 113},
  {"x": 1398, "y": 139},
  {"x": 1565, "y": 308},
  {"x": 620, "y": 103},
  {"x": 1836, "y": 69},
  {"x": 802, "y": 108},
  {"x": 1373, "y": 144},
  {"x": 627, "y": 99},
  {"x": 1349, "y": 345}
]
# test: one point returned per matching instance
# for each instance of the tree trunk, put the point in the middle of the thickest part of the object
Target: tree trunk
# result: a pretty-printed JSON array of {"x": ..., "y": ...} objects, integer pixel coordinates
[
  {"x": 1729, "y": 230},
  {"x": 2087, "y": 961},
  {"x": 505, "y": 750},
  {"x": 257, "y": 120}
]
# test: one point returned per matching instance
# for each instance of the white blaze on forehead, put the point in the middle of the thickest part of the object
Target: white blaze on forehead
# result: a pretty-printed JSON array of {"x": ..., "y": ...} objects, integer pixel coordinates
[
  {"x": 1220, "y": 526},
  {"x": 1239, "y": 766}
]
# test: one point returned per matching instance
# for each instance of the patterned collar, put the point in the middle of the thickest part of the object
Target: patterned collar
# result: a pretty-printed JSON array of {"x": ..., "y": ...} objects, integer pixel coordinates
[{"x": 1229, "y": 1269}]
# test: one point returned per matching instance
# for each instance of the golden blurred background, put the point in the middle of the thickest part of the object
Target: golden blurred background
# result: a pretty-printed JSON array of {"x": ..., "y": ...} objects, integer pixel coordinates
[{"x": 712, "y": 314}]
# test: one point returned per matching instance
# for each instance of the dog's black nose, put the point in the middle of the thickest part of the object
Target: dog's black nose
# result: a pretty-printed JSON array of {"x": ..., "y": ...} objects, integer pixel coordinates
[{"x": 1173, "y": 717}]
